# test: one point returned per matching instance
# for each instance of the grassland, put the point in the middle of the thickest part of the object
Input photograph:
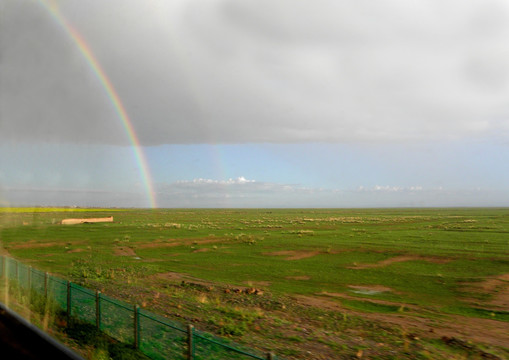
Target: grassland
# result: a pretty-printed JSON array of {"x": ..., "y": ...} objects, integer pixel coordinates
[{"x": 306, "y": 283}]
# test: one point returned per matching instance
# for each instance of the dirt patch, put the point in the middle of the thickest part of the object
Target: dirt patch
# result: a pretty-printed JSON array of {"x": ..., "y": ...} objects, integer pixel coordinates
[
  {"x": 173, "y": 276},
  {"x": 485, "y": 331},
  {"x": 186, "y": 279},
  {"x": 303, "y": 255},
  {"x": 497, "y": 287},
  {"x": 293, "y": 254},
  {"x": 504, "y": 277},
  {"x": 204, "y": 241},
  {"x": 281, "y": 253},
  {"x": 258, "y": 283},
  {"x": 124, "y": 251},
  {"x": 201, "y": 250},
  {"x": 298, "y": 277},
  {"x": 183, "y": 279},
  {"x": 373, "y": 301},
  {"x": 370, "y": 289},
  {"x": 158, "y": 244},
  {"x": 402, "y": 258},
  {"x": 33, "y": 245},
  {"x": 319, "y": 302},
  {"x": 500, "y": 291},
  {"x": 75, "y": 250}
]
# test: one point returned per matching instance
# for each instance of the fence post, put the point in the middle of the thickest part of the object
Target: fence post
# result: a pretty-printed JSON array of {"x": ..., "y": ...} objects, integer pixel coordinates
[
  {"x": 136, "y": 327},
  {"x": 98, "y": 309},
  {"x": 190, "y": 345},
  {"x": 29, "y": 280},
  {"x": 16, "y": 270},
  {"x": 271, "y": 356},
  {"x": 29, "y": 284},
  {"x": 46, "y": 285},
  {"x": 68, "y": 301},
  {"x": 6, "y": 282}
]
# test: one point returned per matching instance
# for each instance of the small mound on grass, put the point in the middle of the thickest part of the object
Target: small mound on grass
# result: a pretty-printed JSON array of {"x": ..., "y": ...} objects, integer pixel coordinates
[
  {"x": 298, "y": 277},
  {"x": 124, "y": 251}
]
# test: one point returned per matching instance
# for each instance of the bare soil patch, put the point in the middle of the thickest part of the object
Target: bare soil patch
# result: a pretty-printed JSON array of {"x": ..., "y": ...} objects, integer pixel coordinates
[
  {"x": 124, "y": 251},
  {"x": 371, "y": 288},
  {"x": 319, "y": 302},
  {"x": 183, "y": 278},
  {"x": 192, "y": 281},
  {"x": 293, "y": 254},
  {"x": 173, "y": 276},
  {"x": 158, "y": 244},
  {"x": 491, "y": 332},
  {"x": 258, "y": 283},
  {"x": 201, "y": 250},
  {"x": 33, "y": 245},
  {"x": 204, "y": 241},
  {"x": 402, "y": 258},
  {"x": 298, "y": 277},
  {"x": 497, "y": 287},
  {"x": 78, "y": 250},
  {"x": 374, "y": 301}
]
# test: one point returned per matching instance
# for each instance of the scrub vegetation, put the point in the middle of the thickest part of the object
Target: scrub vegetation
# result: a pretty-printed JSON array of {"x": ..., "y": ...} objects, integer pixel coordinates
[{"x": 304, "y": 283}]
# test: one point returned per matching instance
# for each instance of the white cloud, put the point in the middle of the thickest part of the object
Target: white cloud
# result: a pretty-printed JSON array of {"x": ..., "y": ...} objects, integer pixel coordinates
[
  {"x": 239, "y": 187},
  {"x": 239, "y": 193},
  {"x": 387, "y": 188},
  {"x": 239, "y": 180}
]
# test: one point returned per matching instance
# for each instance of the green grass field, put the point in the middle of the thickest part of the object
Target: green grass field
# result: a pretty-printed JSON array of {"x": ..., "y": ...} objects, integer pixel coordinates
[{"x": 372, "y": 283}]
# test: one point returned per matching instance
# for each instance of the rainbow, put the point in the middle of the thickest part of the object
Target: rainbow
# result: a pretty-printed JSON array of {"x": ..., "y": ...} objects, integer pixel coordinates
[{"x": 96, "y": 68}]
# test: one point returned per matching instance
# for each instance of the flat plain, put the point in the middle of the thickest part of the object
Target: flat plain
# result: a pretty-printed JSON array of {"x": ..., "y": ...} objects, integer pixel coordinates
[{"x": 305, "y": 283}]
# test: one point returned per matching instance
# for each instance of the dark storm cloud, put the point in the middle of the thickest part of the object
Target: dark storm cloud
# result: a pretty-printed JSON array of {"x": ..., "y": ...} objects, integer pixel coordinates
[{"x": 257, "y": 71}]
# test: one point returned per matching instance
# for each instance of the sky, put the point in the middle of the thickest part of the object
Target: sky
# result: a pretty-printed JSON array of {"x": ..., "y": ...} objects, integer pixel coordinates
[{"x": 254, "y": 103}]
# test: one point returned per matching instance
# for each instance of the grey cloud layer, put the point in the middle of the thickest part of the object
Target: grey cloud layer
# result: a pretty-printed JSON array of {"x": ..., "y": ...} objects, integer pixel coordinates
[{"x": 258, "y": 71}]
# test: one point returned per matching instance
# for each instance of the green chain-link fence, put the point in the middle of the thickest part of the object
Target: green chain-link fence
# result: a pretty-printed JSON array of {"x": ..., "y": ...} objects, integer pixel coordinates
[{"x": 155, "y": 336}]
